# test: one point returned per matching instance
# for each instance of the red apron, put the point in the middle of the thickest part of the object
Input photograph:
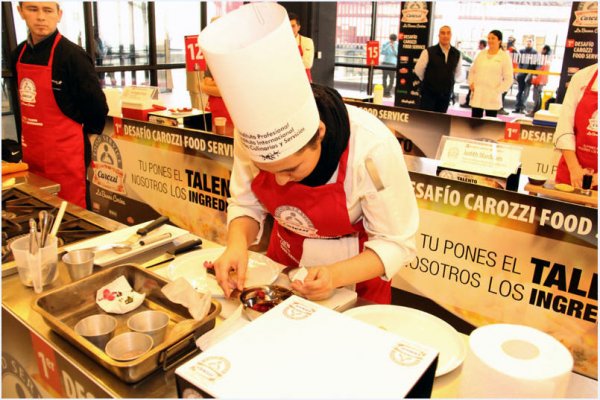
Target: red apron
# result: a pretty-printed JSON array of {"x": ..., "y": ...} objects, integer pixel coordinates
[
  {"x": 52, "y": 142},
  {"x": 302, "y": 212},
  {"x": 586, "y": 139},
  {"x": 301, "y": 55},
  {"x": 217, "y": 107}
]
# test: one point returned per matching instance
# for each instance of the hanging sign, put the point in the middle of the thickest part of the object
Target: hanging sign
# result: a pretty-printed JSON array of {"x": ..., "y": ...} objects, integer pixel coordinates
[
  {"x": 194, "y": 59},
  {"x": 415, "y": 24},
  {"x": 373, "y": 52}
]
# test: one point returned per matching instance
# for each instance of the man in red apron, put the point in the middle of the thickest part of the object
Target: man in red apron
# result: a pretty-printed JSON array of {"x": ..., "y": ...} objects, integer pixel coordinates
[
  {"x": 49, "y": 70},
  {"x": 305, "y": 45},
  {"x": 585, "y": 128}
]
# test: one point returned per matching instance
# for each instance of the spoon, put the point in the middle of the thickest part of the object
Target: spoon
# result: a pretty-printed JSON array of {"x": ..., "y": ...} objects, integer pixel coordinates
[{"x": 122, "y": 247}]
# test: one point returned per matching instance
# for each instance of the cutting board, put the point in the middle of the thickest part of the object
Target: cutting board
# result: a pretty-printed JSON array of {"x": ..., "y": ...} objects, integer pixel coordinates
[
  {"x": 573, "y": 197},
  {"x": 107, "y": 257}
]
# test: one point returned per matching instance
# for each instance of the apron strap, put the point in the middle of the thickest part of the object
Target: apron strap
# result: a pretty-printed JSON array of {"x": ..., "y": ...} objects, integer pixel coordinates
[{"x": 591, "y": 82}]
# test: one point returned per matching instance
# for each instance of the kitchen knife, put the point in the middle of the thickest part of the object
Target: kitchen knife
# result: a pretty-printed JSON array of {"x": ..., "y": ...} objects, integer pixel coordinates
[
  {"x": 143, "y": 231},
  {"x": 154, "y": 238},
  {"x": 170, "y": 255}
]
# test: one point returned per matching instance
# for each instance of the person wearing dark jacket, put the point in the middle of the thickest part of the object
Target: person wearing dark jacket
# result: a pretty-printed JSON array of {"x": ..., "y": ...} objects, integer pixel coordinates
[
  {"x": 438, "y": 68},
  {"x": 527, "y": 60},
  {"x": 61, "y": 101}
]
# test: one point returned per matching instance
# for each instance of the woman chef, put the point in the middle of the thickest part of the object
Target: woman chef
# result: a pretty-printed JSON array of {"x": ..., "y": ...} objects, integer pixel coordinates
[
  {"x": 332, "y": 176},
  {"x": 576, "y": 133}
]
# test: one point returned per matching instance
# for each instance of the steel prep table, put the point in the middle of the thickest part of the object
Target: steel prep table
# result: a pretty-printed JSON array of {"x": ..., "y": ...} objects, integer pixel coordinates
[{"x": 37, "y": 362}]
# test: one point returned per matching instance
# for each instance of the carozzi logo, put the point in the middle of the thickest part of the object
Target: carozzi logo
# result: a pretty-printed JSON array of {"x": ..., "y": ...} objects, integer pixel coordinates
[
  {"x": 405, "y": 355},
  {"x": 212, "y": 368},
  {"x": 27, "y": 91},
  {"x": 107, "y": 165},
  {"x": 299, "y": 311},
  {"x": 586, "y": 15},
  {"x": 414, "y": 12},
  {"x": 16, "y": 381}
]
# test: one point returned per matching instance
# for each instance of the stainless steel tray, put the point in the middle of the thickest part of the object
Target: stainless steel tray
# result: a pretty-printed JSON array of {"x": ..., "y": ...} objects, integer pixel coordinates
[{"x": 63, "y": 307}]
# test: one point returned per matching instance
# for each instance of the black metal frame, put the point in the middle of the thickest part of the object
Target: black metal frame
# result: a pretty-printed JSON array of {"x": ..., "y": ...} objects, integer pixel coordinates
[
  {"x": 90, "y": 17},
  {"x": 369, "y": 67},
  {"x": 9, "y": 43}
]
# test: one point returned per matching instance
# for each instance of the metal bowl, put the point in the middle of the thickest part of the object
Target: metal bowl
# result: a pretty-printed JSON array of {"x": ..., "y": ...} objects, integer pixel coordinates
[
  {"x": 150, "y": 322},
  {"x": 97, "y": 328},
  {"x": 128, "y": 346},
  {"x": 257, "y": 300}
]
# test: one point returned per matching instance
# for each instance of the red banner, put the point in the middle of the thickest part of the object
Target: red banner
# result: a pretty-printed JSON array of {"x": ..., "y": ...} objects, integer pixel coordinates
[{"x": 46, "y": 361}]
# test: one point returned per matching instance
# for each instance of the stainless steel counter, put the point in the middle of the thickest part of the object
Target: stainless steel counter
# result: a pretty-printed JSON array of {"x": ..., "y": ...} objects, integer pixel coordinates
[
  {"x": 27, "y": 179},
  {"x": 39, "y": 363}
]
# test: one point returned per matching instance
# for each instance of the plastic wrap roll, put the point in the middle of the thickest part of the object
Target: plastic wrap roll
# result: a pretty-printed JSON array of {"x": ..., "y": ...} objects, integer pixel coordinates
[{"x": 507, "y": 360}]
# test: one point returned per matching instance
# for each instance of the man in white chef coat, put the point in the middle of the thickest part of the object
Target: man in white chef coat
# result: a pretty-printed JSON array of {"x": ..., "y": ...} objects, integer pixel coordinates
[{"x": 305, "y": 44}]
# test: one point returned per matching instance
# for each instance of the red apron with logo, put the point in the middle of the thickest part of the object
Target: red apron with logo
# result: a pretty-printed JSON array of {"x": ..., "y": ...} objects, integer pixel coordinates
[
  {"x": 52, "y": 142},
  {"x": 302, "y": 212},
  {"x": 586, "y": 134},
  {"x": 217, "y": 107},
  {"x": 301, "y": 55}
]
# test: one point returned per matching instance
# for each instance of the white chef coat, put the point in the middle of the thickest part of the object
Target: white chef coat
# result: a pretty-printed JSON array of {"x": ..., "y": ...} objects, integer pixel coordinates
[
  {"x": 390, "y": 216},
  {"x": 564, "y": 134},
  {"x": 308, "y": 50},
  {"x": 492, "y": 75}
]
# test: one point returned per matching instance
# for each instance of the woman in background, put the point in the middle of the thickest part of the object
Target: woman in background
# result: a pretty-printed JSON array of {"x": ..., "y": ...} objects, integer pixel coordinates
[{"x": 490, "y": 76}]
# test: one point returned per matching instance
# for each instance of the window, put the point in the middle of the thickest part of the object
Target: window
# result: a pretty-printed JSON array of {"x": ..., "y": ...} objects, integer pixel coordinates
[{"x": 544, "y": 22}]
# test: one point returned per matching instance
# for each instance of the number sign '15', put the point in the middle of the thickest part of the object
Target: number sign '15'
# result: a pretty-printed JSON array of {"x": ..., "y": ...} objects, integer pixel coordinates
[
  {"x": 194, "y": 59},
  {"x": 373, "y": 52}
]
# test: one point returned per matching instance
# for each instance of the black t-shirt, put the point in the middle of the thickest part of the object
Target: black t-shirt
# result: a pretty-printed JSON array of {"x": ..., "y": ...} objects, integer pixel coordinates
[{"x": 75, "y": 82}]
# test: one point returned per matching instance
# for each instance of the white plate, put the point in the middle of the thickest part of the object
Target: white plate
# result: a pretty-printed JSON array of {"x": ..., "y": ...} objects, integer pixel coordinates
[
  {"x": 106, "y": 257},
  {"x": 261, "y": 270},
  {"x": 419, "y": 327}
]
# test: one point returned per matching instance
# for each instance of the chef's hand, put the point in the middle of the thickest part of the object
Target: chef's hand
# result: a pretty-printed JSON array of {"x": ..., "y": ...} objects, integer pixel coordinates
[
  {"x": 230, "y": 269},
  {"x": 318, "y": 284},
  {"x": 576, "y": 173},
  {"x": 472, "y": 87}
]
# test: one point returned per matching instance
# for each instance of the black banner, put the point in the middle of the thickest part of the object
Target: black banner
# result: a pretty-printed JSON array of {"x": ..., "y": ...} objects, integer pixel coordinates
[
  {"x": 565, "y": 222},
  {"x": 415, "y": 24},
  {"x": 581, "y": 48},
  {"x": 419, "y": 132}
]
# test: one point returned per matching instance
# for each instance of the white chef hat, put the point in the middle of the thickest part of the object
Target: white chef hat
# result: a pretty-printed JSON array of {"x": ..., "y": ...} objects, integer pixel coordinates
[{"x": 254, "y": 59}]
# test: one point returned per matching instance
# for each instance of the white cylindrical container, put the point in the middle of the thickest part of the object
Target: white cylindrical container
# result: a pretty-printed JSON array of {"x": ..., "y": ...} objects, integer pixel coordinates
[{"x": 515, "y": 361}]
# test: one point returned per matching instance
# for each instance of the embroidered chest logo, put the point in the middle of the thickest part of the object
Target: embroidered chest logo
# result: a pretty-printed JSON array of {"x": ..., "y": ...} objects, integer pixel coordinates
[
  {"x": 593, "y": 122},
  {"x": 27, "y": 91},
  {"x": 295, "y": 220}
]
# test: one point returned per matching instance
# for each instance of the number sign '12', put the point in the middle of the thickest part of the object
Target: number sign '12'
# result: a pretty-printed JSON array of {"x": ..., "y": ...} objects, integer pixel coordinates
[
  {"x": 373, "y": 52},
  {"x": 194, "y": 59}
]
